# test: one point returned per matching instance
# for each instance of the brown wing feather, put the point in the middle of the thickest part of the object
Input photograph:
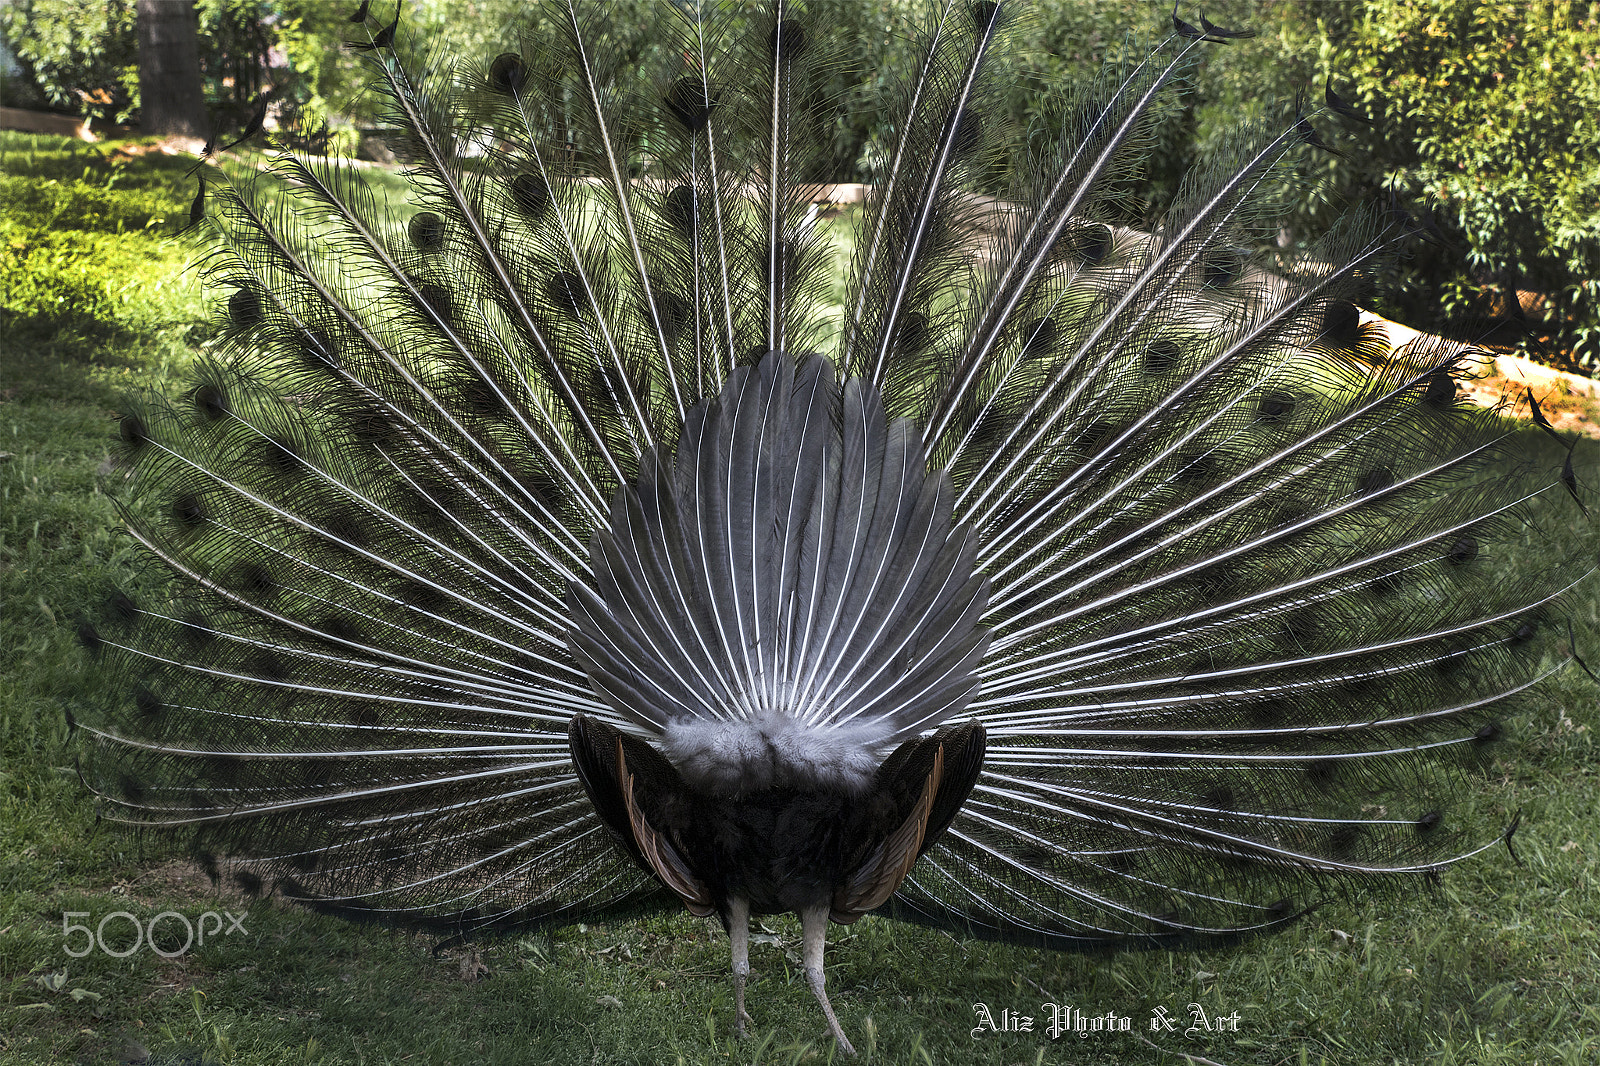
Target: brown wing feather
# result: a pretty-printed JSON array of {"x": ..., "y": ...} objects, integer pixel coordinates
[
  {"x": 658, "y": 852},
  {"x": 875, "y": 880}
]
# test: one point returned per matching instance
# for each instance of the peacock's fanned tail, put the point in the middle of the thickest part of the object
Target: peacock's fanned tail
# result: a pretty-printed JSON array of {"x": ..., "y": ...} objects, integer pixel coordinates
[{"x": 553, "y": 437}]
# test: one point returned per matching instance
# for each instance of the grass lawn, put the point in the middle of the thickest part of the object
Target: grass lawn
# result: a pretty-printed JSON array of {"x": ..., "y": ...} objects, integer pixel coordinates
[{"x": 1500, "y": 965}]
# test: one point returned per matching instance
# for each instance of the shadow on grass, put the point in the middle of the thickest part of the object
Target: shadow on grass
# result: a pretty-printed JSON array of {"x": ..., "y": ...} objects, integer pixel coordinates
[{"x": 72, "y": 358}]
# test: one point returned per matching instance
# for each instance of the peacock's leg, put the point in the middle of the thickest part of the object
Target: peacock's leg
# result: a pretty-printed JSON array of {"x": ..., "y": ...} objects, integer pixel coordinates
[
  {"x": 739, "y": 934},
  {"x": 813, "y": 930}
]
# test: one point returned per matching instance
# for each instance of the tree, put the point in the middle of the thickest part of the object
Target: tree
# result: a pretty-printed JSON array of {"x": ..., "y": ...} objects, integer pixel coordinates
[
  {"x": 1494, "y": 102},
  {"x": 171, "y": 100},
  {"x": 74, "y": 57}
]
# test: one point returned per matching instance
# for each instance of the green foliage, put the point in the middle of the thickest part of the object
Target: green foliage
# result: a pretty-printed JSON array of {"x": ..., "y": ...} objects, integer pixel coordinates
[
  {"x": 246, "y": 42},
  {"x": 1487, "y": 109},
  {"x": 79, "y": 57},
  {"x": 1490, "y": 115},
  {"x": 1484, "y": 119},
  {"x": 84, "y": 57},
  {"x": 1060, "y": 47}
]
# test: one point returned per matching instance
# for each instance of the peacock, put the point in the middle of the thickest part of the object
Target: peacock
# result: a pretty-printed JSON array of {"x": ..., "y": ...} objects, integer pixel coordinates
[{"x": 569, "y": 541}]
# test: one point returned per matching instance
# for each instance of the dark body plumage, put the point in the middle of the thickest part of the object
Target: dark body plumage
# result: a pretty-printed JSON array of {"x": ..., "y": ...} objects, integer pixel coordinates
[{"x": 1093, "y": 588}]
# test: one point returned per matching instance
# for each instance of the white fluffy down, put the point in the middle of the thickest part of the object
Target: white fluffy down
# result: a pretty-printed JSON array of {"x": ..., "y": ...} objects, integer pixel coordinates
[{"x": 733, "y": 757}]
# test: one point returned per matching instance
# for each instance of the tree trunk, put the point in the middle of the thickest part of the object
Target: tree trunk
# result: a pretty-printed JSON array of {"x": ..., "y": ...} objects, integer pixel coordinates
[{"x": 171, "y": 101}]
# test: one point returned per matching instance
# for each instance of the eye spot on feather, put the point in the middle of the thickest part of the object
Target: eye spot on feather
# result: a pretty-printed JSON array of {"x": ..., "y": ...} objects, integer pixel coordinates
[
  {"x": 1344, "y": 840},
  {"x": 277, "y": 457},
  {"x": 244, "y": 308},
  {"x": 1387, "y": 584},
  {"x": 507, "y": 74},
  {"x": 1162, "y": 358},
  {"x": 470, "y": 393},
  {"x": 1267, "y": 714},
  {"x": 788, "y": 40},
  {"x": 911, "y": 333},
  {"x": 1039, "y": 338},
  {"x": 1221, "y": 268},
  {"x": 424, "y": 598},
  {"x": 615, "y": 382},
  {"x": 1429, "y": 822},
  {"x": 268, "y": 667},
  {"x": 349, "y": 527},
  {"x": 531, "y": 195},
  {"x": 1340, "y": 327},
  {"x": 1322, "y": 774},
  {"x": 1463, "y": 550},
  {"x": 435, "y": 297},
  {"x": 681, "y": 211},
  {"x": 1170, "y": 917},
  {"x": 371, "y": 426},
  {"x": 1218, "y": 798},
  {"x": 1085, "y": 246},
  {"x": 1297, "y": 629},
  {"x": 1452, "y": 662},
  {"x": 1275, "y": 408},
  {"x": 224, "y": 769},
  {"x": 1362, "y": 691},
  {"x": 252, "y": 581},
  {"x": 89, "y": 638},
  {"x": 1288, "y": 511},
  {"x": 426, "y": 231},
  {"x": 131, "y": 429},
  {"x": 195, "y": 631},
  {"x": 130, "y": 788},
  {"x": 318, "y": 350},
  {"x": 1488, "y": 733},
  {"x": 691, "y": 101},
  {"x": 305, "y": 862},
  {"x": 148, "y": 705},
  {"x": 1440, "y": 390},
  {"x": 1197, "y": 470},
  {"x": 339, "y": 627},
  {"x": 1375, "y": 480},
  {"x": 964, "y": 128},
  {"x": 672, "y": 312},
  {"x": 363, "y": 714},
  {"x": 1523, "y": 632},
  {"x": 124, "y": 609},
  {"x": 188, "y": 512},
  {"x": 565, "y": 290},
  {"x": 211, "y": 402},
  {"x": 1097, "y": 436},
  {"x": 440, "y": 498},
  {"x": 1280, "y": 909}
]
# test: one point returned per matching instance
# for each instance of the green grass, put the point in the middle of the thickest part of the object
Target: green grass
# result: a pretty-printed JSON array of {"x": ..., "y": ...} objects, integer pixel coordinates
[{"x": 1499, "y": 966}]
